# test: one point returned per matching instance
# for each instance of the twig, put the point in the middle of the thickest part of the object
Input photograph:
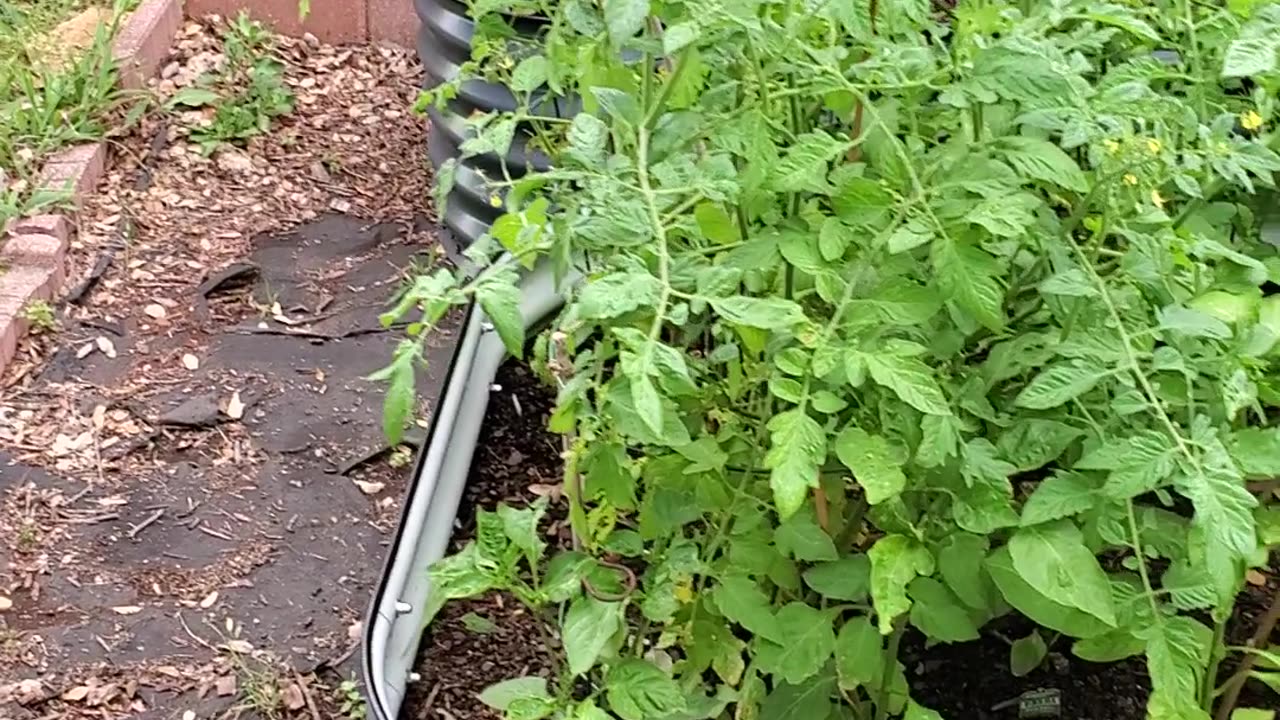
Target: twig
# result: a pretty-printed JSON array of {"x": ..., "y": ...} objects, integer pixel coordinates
[
  {"x": 306, "y": 695},
  {"x": 193, "y": 636},
  {"x": 133, "y": 531},
  {"x": 215, "y": 533}
]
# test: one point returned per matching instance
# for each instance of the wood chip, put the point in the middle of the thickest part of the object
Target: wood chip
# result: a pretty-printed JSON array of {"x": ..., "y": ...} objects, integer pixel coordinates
[
  {"x": 5, "y": 603},
  {"x": 107, "y": 347},
  {"x": 369, "y": 488},
  {"x": 293, "y": 699},
  {"x": 190, "y": 362},
  {"x": 84, "y": 351},
  {"x": 209, "y": 600},
  {"x": 126, "y": 609},
  {"x": 225, "y": 686},
  {"x": 242, "y": 647},
  {"x": 155, "y": 311},
  {"x": 76, "y": 694},
  {"x": 1255, "y": 578},
  {"x": 235, "y": 406}
]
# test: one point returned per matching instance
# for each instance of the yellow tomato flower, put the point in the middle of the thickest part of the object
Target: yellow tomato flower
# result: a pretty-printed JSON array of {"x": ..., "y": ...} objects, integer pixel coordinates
[
  {"x": 1156, "y": 199},
  {"x": 1250, "y": 120},
  {"x": 1130, "y": 179},
  {"x": 1154, "y": 146},
  {"x": 495, "y": 201},
  {"x": 684, "y": 592},
  {"x": 1112, "y": 146}
]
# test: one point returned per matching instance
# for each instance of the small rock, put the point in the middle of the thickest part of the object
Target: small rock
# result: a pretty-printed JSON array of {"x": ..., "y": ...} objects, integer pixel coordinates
[
  {"x": 5, "y": 603},
  {"x": 169, "y": 70},
  {"x": 155, "y": 311},
  {"x": 190, "y": 362}
]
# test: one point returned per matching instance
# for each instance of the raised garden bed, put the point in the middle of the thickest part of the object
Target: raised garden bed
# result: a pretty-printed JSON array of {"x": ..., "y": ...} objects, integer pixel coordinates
[{"x": 924, "y": 364}]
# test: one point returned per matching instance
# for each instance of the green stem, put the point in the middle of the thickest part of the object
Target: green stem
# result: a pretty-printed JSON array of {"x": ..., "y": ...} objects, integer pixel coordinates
[
  {"x": 1135, "y": 539},
  {"x": 886, "y": 681},
  {"x": 1215, "y": 660},
  {"x": 655, "y": 110}
]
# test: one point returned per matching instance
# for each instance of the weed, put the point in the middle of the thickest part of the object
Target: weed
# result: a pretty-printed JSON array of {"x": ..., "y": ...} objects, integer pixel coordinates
[
  {"x": 246, "y": 95},
  {"x": 41, "y": 315},
  {"x": 28, "y": 537},
  {"x": 350, "y": 701}
]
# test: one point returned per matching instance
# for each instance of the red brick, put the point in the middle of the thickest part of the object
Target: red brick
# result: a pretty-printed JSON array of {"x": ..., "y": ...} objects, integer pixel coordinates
[
  {"x": 27, "y": 283},
  {"x": 11, "y": 330},
  {"x": 143, "y": 42},
  {"x": 333, "y": 21},
  {"x": 77, "y": 169},
  {"x": 393, "y": 21},
  {"x": 55, "y": 225},
  {"x": 33, "y": 249}
]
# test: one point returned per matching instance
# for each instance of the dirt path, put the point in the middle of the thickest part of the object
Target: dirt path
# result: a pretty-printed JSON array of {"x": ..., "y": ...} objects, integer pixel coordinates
[{"x": 194, "y": 508}]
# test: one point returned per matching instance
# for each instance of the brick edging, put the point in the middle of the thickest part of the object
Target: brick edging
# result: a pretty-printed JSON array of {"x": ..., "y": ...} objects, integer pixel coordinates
[{"x": 33, "y": 255}]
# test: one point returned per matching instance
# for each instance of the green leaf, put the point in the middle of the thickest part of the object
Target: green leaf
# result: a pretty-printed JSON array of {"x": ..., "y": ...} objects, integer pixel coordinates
[
  {"x": 803, "y": 168},
  {"x": 715, "y": 224},
  {"x": 1043, "y": 161},
  {"x": 521, "y": 528},
  {"x": 1252, "y": 714},
  {"x": 1069, "y": 283},
  {"x": 848, "y": 578},
  {"x": 896, "y": 560},
  {"x": 798, "y": 448},
  {"x": 1032, "y": 443},
  {"x": 833, "y": 238},
  {"x": 807, "y": 701},
  {"x": 800, "y": 537},
  {"x": 1257, "y": 451},
  {"x": 1192, "y": 323},
  {"x": 960, "y": 564},
  {"x": 587, "y": 628},
  {"x": 564, "y": 575},
  {"x": 765, "y": 313},
  {"x": 624, "y": 18},
  {"x": 1109, "y": 647},
  {"x": 984, "y": 501},
  {"x": 808, "y": 643},
  {"x": 1045, "y": 612},
  {"x": 501, "y": 303},
  {"x": 1177, "y": 652},
  {"x": 1060, "y": 495},
  {"x": 1250, "y": 56},
  {"x": 1008, "y": 216},
  {"x": 1026, "y": 654},
  {"x": 1223, "y": 513},
  {"x": 968, "y": 276},
  {"x": 530, "y": 74},
  {"x": 859, "y": 654},
  {"x": 639, "y": 690},
  {"x": 588, "y": 140},
  {"x": 910, "y": 379},
  {"x": 939, "y": 436},
  {"x": 1059, "y": 384},
  {"x": 500, "y": 696},
  {"x": 618, "y": 293},
  {"x": 742, "y": 601},
  {"x": 915, "y": 711},
  {"x": 1053, "y": 559},
  {"x": 872, "y": 462},
  {"x": 678, "y": 36},
  {"x": 461, "y": 575},
  {"x": 647, "y": 402},
  {"x": 937, "y": 612}
]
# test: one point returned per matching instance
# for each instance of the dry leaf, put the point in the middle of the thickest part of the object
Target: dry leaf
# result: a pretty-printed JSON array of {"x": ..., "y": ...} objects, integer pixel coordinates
[
  {"x": 99, "y": 416},
  {"x": 293, "y": 699},
  {"x": 225, "y": 685},
  {"x": 5, "y": 603},
  {"x": 369, "y": 488},
  {"x": 76, "y": 694},
  {"x": 155, "y": 311},
  {"x": 235, "y": 407},
  {"x": 190, "y": 362},
  {"x": 126, "y": 609},
  {"x": 209, "y": 600},
  {"x": 239, "y": 646}
]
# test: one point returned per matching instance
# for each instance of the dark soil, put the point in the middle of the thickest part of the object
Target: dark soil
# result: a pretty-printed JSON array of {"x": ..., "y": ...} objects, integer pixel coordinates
[
  {"x": 518, "y": 460},
  {"x": 515, "y": 461}
]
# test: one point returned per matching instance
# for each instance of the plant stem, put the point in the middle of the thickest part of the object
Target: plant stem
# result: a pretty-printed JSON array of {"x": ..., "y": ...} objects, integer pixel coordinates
[
  {"x": 1135, "y": 539},
  {"x": 886, "y": 680},
  {"x": 1231, "y": 691},
  {"x": 1215, "y": 660}
]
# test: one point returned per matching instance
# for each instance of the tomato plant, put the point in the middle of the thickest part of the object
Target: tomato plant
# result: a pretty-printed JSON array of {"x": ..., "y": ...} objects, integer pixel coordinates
[{"x": 891, "y": 316}]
